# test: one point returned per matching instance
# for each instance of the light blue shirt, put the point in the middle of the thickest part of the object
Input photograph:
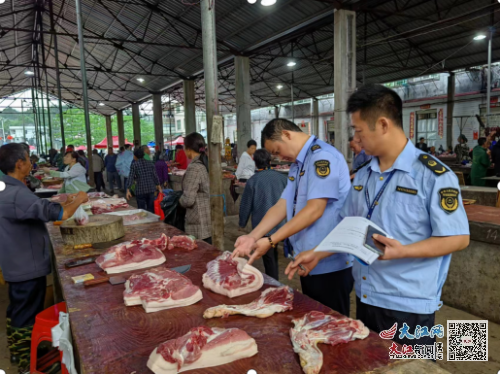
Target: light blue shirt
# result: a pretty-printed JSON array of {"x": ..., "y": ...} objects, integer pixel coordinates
[
  {"x": 412, "y": 284},
  {"x": 123, "y": 162},
  {"x": 360, "y": 159},
  {"x": 315, "y": 159}
]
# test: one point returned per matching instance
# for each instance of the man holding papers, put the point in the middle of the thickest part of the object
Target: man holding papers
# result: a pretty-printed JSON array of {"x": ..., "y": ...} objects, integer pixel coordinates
[
  {"x": 318, "y": 184},
  {"x": 415, "y": 199}
]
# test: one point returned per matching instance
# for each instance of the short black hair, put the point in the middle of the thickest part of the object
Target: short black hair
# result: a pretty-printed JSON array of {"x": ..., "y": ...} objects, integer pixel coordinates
[
  {"x": 71, "y": 146},
  {"x": 139, "y": 152},
  {"x": 481, "y": 141},
  {"x": 251, "y": 142},
  {"x": 127, "y": 146},
  {"x": 274, "y": 129},
  {"x": 422, "y": 138},
  {"x": 262, "y": 158},
  {"x": 179, "y": 146},
  {"x": 122, "y": 149},
  {"x": 73, "y": 154},
  {"x": 9, "y": 155},
  {"x": 374, "y": 101}
]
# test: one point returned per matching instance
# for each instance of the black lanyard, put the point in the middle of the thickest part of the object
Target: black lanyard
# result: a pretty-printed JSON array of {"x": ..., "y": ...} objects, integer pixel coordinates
[
  {"x": 371, "y": 207},
  {"x": 299, "y": 175}
]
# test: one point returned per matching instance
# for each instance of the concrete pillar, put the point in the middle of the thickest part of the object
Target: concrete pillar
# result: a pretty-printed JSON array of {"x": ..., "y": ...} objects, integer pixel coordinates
[
  {"x": 315, "y": 117},
  {"x": 158, "y": 120},
  {"x": 243, "y": 117},
  {"x": 276, "y": 112},
  {"x": 344, "y": 62},
  {"x": 136, "y": 121},
  {"x": 121, "y": 128},
  {"x": 189, "y": 106},
  {"x": 449, "y": 109},
  {"x": 109, "y": 132}
]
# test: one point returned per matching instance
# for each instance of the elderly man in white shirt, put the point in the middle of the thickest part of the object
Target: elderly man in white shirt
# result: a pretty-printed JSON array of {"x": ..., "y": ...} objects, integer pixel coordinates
[{"x": 246, "y": 167}]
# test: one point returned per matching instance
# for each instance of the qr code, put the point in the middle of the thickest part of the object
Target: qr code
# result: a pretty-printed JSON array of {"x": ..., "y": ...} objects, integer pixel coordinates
[{"x": 467, "y": 340}]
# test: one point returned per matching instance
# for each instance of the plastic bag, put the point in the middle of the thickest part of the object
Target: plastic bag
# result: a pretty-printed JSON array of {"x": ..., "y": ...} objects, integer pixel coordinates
[
  {"x": 158, "y": 210},
  {"x": 174, "y": 212},
  {"x": 81, "y": 217}
]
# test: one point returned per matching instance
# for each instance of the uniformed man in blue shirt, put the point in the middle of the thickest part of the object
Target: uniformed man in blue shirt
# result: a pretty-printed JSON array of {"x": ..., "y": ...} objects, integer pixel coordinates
[
  {"x": 25, "y": 248},
  {"x": 318, "y": 184},
  {"x": 416, "y": 200}
]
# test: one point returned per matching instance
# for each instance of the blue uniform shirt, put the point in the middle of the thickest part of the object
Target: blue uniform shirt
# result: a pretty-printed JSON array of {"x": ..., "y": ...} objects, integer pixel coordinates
[
  {"x": 325, "y": 176},
  {"x": 412, "y": 208},
  {"x": 360, "y": 159}
]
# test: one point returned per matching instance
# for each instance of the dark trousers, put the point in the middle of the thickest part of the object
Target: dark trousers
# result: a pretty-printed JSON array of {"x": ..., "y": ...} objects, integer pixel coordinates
[
  {"x": 146, "y": 202},
  {"x": 270, "y": 260},
  {"x": 114, "y": 180},
  {"x": 99, "y": 181},
  {"x": 330, "y": 289},
  {"x": 26, "y": 300},
  {"x": 379, "y": 319}
]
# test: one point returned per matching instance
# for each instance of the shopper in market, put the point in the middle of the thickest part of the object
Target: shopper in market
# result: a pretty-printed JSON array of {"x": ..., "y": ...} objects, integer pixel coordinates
[
  {"x": 317, "y": 187},
  {"x": 413, "y": 197},
  {"x": 147, "y": 152},
  {"x": 143, "y": 176},
  {"x": 123, "y": 163},
  {"x": 73, "y": 175},
  {"x": 246, "y": 165},
  {"x": 25, "y": 249},
  {"x": 480, "y": 162},
  {"x": 422, "y": 145},
  {"x": 111, "y": 172},
  {"x": 360, "y": 157},
  {"x": 262, "y": 192},
  {"x": 196, "y": 189},
  {"x": 98, "y": 167},
  {"x": 180, "y": 157}
]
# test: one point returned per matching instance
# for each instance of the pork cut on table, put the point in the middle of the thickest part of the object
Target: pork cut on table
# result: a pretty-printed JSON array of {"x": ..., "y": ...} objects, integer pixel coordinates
[
  {"x": 232, "y": 276},
  {"x": 273, "y": 300},
  {"x": 183, "y": 242},
  {"x": 137, "y": 254},
  {"x": 201, "y": 347},
  {"x": 107, "y": 205},
  {"x": 316, "y": 327},
  {"x": 160, "y": 288}
]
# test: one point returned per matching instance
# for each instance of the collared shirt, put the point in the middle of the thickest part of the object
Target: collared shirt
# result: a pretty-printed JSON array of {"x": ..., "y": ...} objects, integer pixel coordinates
[
  {"x": 25, "y": 248},
  {"x": 143, "y": 172},
  {"x": 411, "y": 209},
  {"x": 97, "y": 163},
  {"x": 262, "y": 191},
  {"x": 360, "y": 159},
  {"x": 325, "y": 176},
  {"x": 246, "y": 167}
]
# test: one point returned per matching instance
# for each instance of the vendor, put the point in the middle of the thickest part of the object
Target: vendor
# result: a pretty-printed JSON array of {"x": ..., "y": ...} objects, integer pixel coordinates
[
  {"x": 24, "y": 253},
  {"x": 246, "y": 166},
  {"x": 73, "y": 175}
]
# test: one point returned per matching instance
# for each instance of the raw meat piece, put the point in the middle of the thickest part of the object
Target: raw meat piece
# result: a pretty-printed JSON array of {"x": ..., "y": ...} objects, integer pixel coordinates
[
  {"x": 60, "y": 198},
  {"x": 134, "y": 217},
  {"x": 137, "y": 254},
  {"x": 232, "y": 276},
  {"x": 183, "y": 242},
  {"x": 317, "y": 327},
  {"x": 107, "y": 205},
  {"x": 201, "y": 347},
  {"x": 54, "y": 187},
  {"x": 159, "y": 289},
  {"x": 273, "y": 300},
  {"x": 93, "y": 195}
]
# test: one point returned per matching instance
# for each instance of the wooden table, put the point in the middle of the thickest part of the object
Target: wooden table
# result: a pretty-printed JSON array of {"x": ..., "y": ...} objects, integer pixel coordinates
[{"x": 109, "y": 337}]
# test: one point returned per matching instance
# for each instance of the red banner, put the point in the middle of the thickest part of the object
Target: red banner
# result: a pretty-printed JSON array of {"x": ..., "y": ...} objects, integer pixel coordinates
[
  {"x": 440, "y": 123},
  {"x": 412, "y": 125}
]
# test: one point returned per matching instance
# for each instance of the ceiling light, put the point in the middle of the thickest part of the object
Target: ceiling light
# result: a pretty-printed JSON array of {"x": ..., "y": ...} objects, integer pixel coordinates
[
  {"x": 480, "y": 37},
  {"x": 101, "y": 104},
  {"x": 27, "y": 72},
  {"x": 250, "y": 1},
  {"x": 279, "y": 86},
  {"x": 2, "y": 1},
  {"x": 291, "y": 63},
  {"x": 140, "y": 79},
  {"x": 268, "y": 2}
]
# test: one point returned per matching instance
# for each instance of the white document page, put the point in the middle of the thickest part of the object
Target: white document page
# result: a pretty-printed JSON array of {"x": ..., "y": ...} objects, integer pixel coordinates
[{"x": 349, "y": 237}]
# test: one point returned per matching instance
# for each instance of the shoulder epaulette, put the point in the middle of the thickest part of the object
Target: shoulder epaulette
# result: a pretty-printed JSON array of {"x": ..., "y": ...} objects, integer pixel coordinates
[
  {"x": 437, "y": 167},
  {"x": 315, "y": 147},
  {"x": 361, "y": 166}
]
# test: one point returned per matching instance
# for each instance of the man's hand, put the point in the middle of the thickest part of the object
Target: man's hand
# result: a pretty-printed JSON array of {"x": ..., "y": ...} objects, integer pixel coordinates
[
  {"x": 352, "y": 176},
  {"x": 46, "y": 170},
  {"x": 129, "y": 195},
  {"x": 262, "y": 246},
  {"x": 244, "y": 246},
  {"x": 309, "y": 259},
  {"x": 71, "y": 207},
  {"x": 393, "y": 249}
]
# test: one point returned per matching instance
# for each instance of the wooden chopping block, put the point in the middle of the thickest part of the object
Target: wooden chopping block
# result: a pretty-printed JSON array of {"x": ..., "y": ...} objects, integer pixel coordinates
[{"x": 101, "y": 228}]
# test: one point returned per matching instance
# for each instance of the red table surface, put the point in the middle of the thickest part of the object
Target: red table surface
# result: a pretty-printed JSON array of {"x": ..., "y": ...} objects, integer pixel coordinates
[{"x": 112, "y": 338}]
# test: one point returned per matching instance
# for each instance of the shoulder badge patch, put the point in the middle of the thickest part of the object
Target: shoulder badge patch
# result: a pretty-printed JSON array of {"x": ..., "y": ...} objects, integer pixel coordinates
[
  {"x": 291, "y": 178},
  {"x": 302, "y": 173},
  {"x": 410, "y": 191},
  {"x": 448, "y": 199},
  {"x": 358, "y": 188},
  {"x": 315, "y": 147},
  {"x": 322, "y": 168},
  {"x": 432, "y": 164}
]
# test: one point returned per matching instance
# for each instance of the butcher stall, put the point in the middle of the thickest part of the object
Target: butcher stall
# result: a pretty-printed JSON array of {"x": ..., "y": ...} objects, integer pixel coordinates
[{"x": 109, "y": 337}]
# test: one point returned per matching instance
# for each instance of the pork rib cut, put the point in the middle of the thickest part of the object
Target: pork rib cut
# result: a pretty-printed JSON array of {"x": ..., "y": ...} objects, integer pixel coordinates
[
  {"x": 137, "y": 254},
  {"x": 232, "y": 276},
  {"x": 316, "y": 327},
  {"x": 160, "y": 288},
  {"x": 183, "y": 242},
  {"x": 201, "y": 347},
  {"x": 273, "y": 300}
]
